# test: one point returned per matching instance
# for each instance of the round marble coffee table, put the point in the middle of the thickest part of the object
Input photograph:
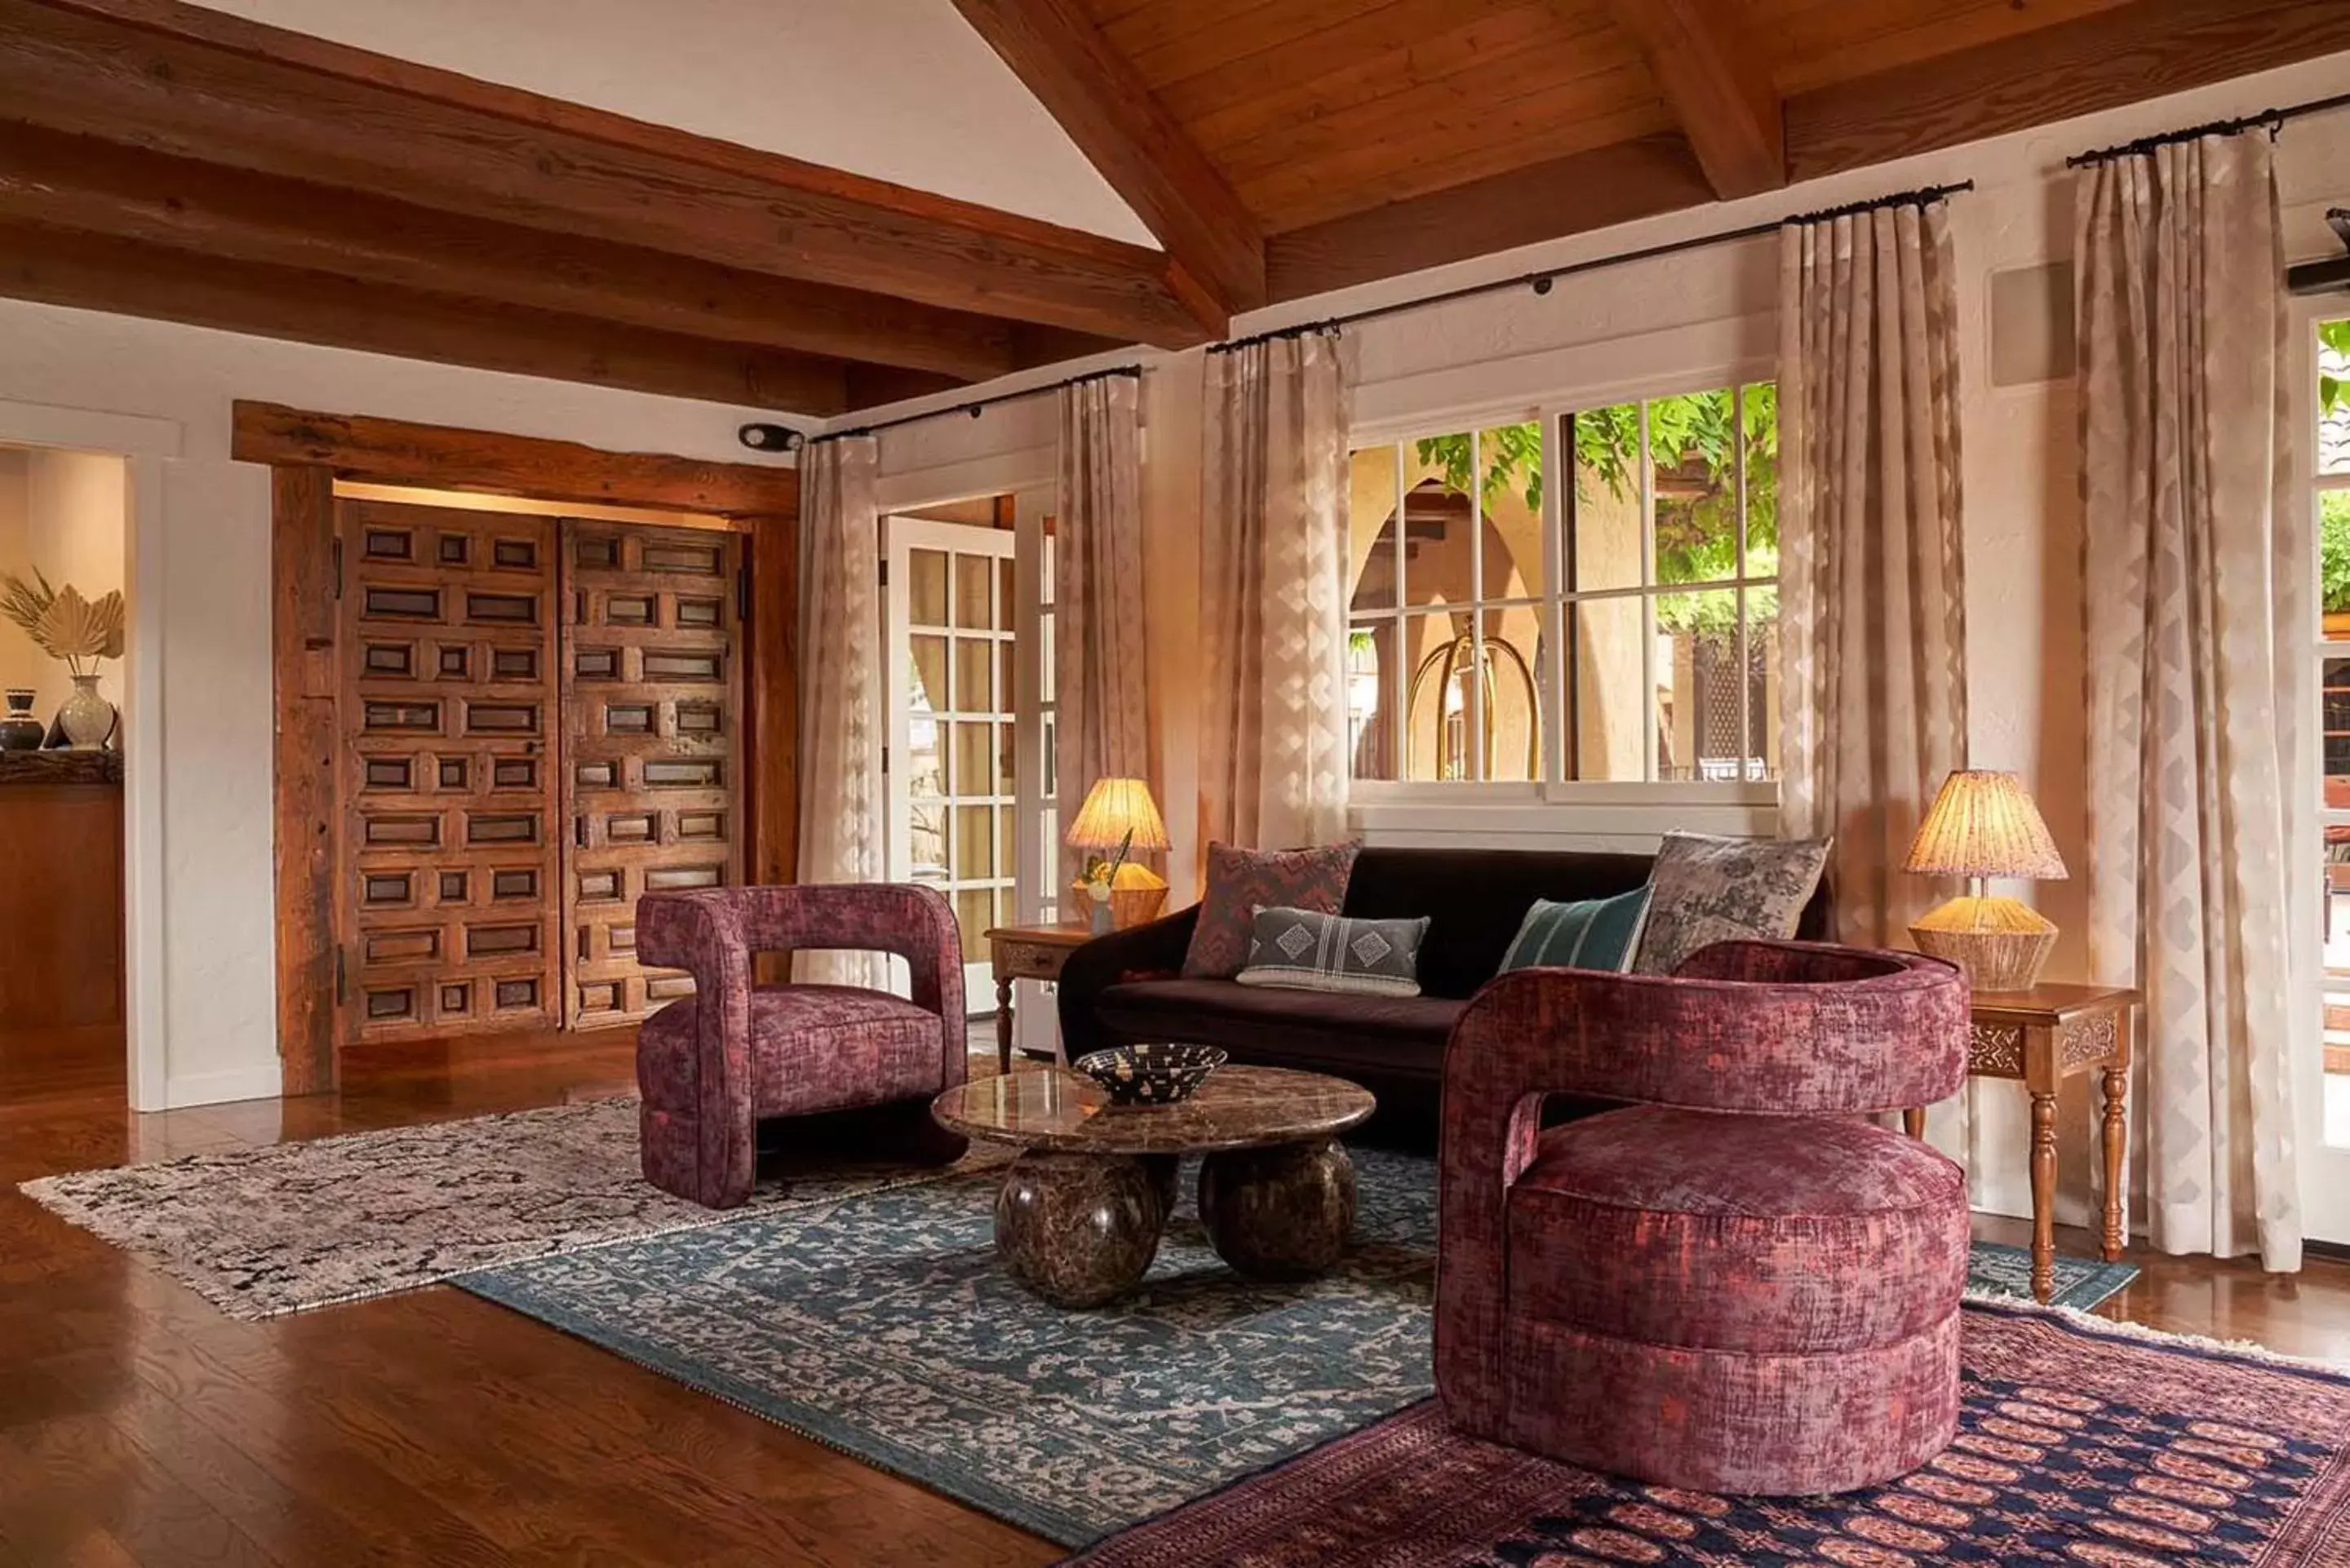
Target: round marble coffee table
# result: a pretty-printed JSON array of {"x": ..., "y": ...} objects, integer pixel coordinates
[{"x": 1079, "y": 1216}]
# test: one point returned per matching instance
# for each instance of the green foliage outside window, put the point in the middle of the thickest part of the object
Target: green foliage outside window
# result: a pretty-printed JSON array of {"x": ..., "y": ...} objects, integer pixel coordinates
[
  {"x": 1697, "y": 535},
  {"x": 2334, "y": 506},
  {"x": 2332, "y": 390},
  {"x": 2334, "y": 549}
]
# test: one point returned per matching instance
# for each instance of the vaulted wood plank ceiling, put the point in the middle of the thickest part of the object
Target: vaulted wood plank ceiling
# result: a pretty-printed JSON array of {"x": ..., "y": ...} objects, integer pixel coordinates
[{"x": 164, "y": 159}]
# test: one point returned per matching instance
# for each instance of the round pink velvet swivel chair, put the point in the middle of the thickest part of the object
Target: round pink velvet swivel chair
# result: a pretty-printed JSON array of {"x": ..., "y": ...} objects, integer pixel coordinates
[{"x": 1736, "y": 1284}]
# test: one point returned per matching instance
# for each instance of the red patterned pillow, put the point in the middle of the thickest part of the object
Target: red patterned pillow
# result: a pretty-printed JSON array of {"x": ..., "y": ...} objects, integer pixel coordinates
[{"x": 1241, "y": 881}]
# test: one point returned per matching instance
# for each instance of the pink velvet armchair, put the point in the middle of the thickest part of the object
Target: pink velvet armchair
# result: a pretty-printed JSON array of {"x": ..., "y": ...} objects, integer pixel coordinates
[
  {"x": 1736, "y": 1285},
  {"x": 712, "y": 1067}
]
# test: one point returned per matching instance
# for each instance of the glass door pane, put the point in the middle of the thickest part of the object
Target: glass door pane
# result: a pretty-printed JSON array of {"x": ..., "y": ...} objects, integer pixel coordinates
[
  {"x": 2325, "y": 1036},
  {"x": 951, "y": 777}
]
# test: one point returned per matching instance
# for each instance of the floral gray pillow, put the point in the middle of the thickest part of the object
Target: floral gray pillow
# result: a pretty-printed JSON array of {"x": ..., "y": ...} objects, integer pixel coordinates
[{"x": 1705, "y": 890}]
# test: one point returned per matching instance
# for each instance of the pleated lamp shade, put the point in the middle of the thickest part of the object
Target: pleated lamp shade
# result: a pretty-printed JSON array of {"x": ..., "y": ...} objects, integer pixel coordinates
[
  {"x": 1983, "y": 824},
  {"x": 1113, "y": 808}
]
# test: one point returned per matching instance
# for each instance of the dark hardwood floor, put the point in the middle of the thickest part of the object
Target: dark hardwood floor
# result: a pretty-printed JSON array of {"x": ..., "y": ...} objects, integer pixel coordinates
[{"x": 139, "y": 1426}]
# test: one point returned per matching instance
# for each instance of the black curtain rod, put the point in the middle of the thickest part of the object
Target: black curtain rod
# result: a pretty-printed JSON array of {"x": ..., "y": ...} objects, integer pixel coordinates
[
  {"x": 1541, "y": 282},
  {"x": 978, "y": 406},
  {"x": 2273, "y": 119}
]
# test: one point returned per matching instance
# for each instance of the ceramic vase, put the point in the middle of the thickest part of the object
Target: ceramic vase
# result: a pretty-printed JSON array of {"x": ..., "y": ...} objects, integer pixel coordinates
[
  {"x": 87, "y": 718},
  {"x": 20, "y": 732}
]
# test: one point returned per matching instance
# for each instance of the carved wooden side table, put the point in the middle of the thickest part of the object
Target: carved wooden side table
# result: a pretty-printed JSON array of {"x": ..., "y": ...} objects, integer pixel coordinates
[
  {"x": 1026, "y": 952},
  {"x": 2041, "y": 1037}
]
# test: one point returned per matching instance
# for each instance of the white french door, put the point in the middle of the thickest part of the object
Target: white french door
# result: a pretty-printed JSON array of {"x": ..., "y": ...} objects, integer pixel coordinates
[
  {"x": 963, "y": 751},
  {"x": 2322, "y": 816}
]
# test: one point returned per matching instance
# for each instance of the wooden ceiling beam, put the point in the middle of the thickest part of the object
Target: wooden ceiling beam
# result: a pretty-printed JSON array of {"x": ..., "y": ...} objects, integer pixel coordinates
[
  {"x": 200, "y": 84},
  {"x": 130, "y": 277},
  {"x": 1717, "y": 78},
  {"x": 78, "y": 182},
  {"x": 1149, "y": 158},
  {"x": 1568, "y": 195},
  {"x": 2146, "y": 49},
  {"x": 493, "y": 463}
]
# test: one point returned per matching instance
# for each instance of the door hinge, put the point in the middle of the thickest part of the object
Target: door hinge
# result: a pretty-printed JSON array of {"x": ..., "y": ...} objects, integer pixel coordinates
[
  {"x": 342, "y": 985},
  {"x": 743, "y": 595},
  {"x": 885, "y": 571},
  {"x": 339, "y": 569},
  {"x": 885, "y": 759}
]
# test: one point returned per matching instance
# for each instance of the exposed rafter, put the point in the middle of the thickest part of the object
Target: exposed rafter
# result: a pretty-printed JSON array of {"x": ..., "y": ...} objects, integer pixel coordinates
[
  {"x": 1566, "y": 196},
  {"x": 1718, "y": 79},
  {"x": 1109, "y": 113},
  {"x": 158, "y": 158},
  {"x": 97, "y": 271},
  {"x": 199, "y": 84},
  {"x": 80, "y": 183},
  {"x": 2123, "y": 55}
]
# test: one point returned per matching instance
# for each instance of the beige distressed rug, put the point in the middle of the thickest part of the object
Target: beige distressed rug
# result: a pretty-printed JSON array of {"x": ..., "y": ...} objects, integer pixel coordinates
[{"x": 265, "y": 1231}]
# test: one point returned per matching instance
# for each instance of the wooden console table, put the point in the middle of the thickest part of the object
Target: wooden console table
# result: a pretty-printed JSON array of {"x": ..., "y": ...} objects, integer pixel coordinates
[
  {"x": 61, "y": 912},
  {"x": 2041, "y": 1037},
  {"x": 1026, "y": 952}
]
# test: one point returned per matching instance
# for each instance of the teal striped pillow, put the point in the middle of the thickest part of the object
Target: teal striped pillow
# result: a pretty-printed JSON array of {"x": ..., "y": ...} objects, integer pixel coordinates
[{"x": 1597, "y": 933}]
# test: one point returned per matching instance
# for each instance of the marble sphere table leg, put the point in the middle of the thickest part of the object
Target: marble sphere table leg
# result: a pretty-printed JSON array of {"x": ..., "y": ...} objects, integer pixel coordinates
[
  {"x": 1279, "y": 1213},
  {"x": 1078, "y": 1229},
  {"x": 1164, "y": 1170}
]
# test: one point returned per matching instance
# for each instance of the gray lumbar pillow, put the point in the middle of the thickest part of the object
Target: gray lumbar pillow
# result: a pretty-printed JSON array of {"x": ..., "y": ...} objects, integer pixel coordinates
[
  {"x": 1705, "y": 890},
  {"x": 1309, "y": 950}
]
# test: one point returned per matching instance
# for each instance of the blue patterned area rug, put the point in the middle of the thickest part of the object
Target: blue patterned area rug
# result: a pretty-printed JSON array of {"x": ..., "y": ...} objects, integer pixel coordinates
[
  {"x": 1995, "y": 1269},
  {"x": 881, "y": 1325},
  {"x": 884, "y": 1327}
]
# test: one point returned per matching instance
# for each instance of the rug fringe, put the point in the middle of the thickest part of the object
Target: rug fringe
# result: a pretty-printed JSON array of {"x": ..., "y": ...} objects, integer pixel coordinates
[{"x": 2123, "y": 1328}]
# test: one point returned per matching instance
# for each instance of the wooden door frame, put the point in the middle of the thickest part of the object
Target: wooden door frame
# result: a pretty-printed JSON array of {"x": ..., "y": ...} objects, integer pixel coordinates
[{"x": 307, "y": 452}]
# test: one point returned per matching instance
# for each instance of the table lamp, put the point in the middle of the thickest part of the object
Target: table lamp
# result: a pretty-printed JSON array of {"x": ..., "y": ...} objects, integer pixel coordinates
[
  {"x": 1983, "y": 824},
  {"x": 1119, "y": 815}
]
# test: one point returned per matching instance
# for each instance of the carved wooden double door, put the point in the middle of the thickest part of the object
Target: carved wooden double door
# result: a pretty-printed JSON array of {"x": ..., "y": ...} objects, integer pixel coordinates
[{"x": 541, "y": 723}]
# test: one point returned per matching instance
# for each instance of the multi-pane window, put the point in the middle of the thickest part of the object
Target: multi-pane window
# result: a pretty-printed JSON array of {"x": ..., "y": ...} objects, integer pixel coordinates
[
  {"x": 1445, "y": 653},
  {"x": 1584, "y": 595}
]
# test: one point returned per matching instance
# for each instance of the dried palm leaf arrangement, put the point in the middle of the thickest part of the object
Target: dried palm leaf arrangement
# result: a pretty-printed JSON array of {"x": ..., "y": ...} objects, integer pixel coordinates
[{"x": 63, "y": 623}]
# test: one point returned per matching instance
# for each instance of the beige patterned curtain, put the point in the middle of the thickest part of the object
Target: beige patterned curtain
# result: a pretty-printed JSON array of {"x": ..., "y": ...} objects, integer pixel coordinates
[
  {"x": 1872, "y": 597},
  {"x": 1101, "y": 686},
  {"x": 840, "y": 684},
  {"x": 2196, "y": 563},
  {"x": 1272, "y": 587}
]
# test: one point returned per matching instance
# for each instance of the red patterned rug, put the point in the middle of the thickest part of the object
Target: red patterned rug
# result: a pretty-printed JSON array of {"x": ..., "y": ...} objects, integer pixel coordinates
[{"x": 2078, "y": 1445}]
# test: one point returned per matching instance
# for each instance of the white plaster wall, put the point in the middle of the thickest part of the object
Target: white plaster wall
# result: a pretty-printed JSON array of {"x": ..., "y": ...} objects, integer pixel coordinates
[
  {"x": 20, "y": 660},
  {"x": 1688, "y": 321},
  {"x": 74, "y": 516},
  {"x": 217, "y": 965},
  {"x": 902, "y": 90}
]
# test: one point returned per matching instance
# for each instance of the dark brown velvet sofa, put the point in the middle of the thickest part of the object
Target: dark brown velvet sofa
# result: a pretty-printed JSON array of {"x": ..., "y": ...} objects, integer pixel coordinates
[{"x": 1127, "y": 986}]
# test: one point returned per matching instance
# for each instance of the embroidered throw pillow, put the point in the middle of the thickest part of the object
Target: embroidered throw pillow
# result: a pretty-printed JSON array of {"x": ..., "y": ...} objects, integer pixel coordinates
[
  {"x": 1307, "y": 950},
  {"x": 1593, "y": 933},
  {"x": 1705, "y": 890},
  {"x": 1243, "y": 881}
]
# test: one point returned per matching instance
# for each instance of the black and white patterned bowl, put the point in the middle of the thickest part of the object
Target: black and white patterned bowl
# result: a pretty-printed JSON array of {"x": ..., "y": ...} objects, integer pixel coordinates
[{"x": 1153, "y": 1075}]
